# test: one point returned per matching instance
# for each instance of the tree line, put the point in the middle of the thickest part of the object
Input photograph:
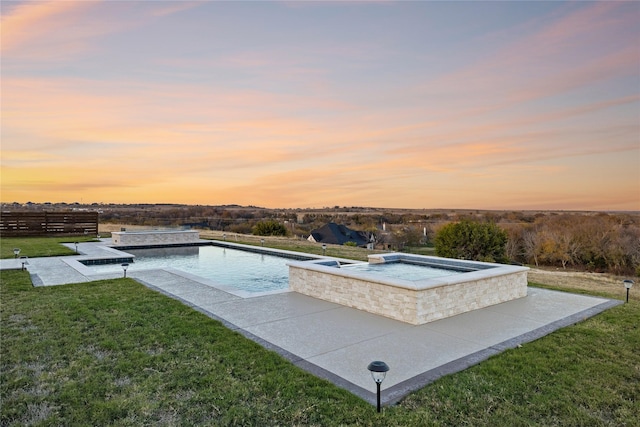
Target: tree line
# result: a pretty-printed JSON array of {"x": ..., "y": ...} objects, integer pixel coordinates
[
  {"x": 593, "y": 241},
  {"x": 600, "y": 242}
]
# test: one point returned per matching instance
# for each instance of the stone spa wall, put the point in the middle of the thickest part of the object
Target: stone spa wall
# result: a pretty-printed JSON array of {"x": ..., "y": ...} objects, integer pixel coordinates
[
  {"x": 142, "y": 238},
  {"x": 415, "y": 302}
]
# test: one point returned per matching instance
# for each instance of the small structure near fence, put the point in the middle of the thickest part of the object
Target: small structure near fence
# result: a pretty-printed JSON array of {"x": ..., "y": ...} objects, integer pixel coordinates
[
  {"x": 22, "y": 224},
  {"x": 154, "y": 237}
]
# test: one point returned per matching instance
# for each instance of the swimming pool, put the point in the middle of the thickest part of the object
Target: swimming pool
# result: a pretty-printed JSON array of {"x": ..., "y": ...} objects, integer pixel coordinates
[{"x": 247, "y": 271}]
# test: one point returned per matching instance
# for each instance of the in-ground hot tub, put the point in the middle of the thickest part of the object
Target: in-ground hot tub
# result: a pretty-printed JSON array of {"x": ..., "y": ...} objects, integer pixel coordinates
[{"x": 415, "y": 289}]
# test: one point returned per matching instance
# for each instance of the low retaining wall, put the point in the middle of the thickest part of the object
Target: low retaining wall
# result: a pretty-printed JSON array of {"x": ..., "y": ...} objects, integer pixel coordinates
[
  {"x": 134, "y": 238},
  {"x": 414, "y": 302}
]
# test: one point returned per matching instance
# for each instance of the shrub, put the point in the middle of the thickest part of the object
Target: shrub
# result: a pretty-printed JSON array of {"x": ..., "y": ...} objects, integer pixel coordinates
[
  {"x": 269, "y": 228},
  {"x": 472, "y": 240}
]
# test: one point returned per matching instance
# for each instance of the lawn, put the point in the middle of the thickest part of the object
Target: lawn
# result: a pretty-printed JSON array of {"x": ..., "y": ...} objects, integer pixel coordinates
[
  {"x": 116, "y": 353},
  {"x": 33, "y": 247}
]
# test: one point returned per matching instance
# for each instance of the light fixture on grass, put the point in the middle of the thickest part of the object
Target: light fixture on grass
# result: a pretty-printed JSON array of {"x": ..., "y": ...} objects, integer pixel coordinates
[
  {"x": 76, "y": 243},
  {"x": 24, "y": 261},
  {"x": 378, "y": 371},
  {"x": 628, "y": 284},
  {"x": 324, "y": 249},
  {"x": 16, "y": 252},
  {"x": 124, "y": 268},
  {"x": 262, "y": 242}
]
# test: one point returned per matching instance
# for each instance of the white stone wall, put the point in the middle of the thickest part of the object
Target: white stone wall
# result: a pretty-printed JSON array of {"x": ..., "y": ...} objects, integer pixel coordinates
[
  {"x": 373, "y": 297},
  {"x": 448, "y": 300},
  {"x": 134, "y": 238},
  {"x": 415, "y": 306}
]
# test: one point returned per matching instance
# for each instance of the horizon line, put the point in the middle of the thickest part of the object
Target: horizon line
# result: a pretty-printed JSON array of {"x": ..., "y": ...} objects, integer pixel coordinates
[{"x": 327, "y": 207}]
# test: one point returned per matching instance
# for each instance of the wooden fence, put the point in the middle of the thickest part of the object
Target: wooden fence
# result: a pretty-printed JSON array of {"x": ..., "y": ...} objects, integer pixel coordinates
[{"x": 19, "y": 224}]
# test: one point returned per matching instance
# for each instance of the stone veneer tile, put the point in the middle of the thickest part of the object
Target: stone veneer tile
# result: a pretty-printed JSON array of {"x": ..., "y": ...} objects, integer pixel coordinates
[{"x": 407, "y": 305}]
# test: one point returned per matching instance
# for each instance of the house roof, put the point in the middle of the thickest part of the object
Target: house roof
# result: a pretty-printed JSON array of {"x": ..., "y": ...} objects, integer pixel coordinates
[{"x": 338, "y": 234}]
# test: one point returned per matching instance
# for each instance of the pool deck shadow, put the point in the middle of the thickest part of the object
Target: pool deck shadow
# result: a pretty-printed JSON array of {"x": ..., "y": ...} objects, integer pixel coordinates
[{"x": 337, "y": 343}]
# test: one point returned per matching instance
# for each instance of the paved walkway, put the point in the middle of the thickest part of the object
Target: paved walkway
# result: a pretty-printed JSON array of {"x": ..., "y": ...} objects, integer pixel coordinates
[{"x": 336, "y": 342}]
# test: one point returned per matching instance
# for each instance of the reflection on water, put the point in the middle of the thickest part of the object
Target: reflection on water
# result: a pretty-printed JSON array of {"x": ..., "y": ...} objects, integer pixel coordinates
[
  {"x": 165, "y": 252},
  {"x": 243, "y": 270}
]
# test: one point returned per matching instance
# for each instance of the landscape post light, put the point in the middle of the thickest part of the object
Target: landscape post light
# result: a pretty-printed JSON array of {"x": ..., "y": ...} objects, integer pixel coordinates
[
  {"x": 76, "y": 243},
  {"x": 16, "y": 252},
  {"x": 628, "y": 284},
  {"x": 262, "y": 242},
  {"x": 124, "y": 267},
  {"x": 324, "y": 249},
  {"x": 24, "y": 261},
  {"x": 224, "y": 236},
  {"x": 378, "y": 370}
]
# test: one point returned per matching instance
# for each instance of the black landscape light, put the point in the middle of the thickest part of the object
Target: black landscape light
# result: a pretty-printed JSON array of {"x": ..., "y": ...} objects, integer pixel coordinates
[
  {"x": 124, "y": 267},
  {"x": 16, "y": 252},
  {"x": 628, "y": 284},
  {"x": 24, "y": 261},
  {"x": 378, "y": 372},
  {"x": 324, "y": 249}
]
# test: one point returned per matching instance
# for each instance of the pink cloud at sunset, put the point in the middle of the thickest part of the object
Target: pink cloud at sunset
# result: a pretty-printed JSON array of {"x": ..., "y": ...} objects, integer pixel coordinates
[{"x": 529, "y": 105}]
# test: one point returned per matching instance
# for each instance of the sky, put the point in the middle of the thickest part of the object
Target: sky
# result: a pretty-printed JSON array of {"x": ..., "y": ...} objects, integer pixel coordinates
[{"x": 289, "y": 104}]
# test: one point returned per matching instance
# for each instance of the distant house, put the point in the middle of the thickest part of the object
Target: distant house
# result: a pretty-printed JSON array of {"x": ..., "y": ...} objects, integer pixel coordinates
[{"x": 337, "y": 234}]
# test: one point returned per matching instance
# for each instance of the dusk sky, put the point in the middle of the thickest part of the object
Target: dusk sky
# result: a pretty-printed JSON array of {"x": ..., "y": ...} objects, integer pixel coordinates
[{"x": 480, "y": 105}]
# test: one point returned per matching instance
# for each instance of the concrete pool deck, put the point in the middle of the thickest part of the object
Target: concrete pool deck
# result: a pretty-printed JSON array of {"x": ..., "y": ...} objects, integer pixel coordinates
[{"x": 336, "y": 342}]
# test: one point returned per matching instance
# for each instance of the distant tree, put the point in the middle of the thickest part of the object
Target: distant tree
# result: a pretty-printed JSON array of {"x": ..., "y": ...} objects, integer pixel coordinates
[
  {"x": 515, "y": 242},
  {"x": 480, "y": 241},
  {"x": 407, "y": 236},
  {"x": 269, "y": 228}
]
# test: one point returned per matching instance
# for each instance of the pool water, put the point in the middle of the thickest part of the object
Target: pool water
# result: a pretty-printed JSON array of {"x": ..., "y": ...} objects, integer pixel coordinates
[
  {"x": 401, "y": 270},
  {"x": 247, "y": 271}
]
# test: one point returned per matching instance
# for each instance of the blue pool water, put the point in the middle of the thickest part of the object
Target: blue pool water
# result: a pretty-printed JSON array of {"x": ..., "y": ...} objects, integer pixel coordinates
[
  {"x": 247, "y": 271},
  {"x": 401, "y": 270}
]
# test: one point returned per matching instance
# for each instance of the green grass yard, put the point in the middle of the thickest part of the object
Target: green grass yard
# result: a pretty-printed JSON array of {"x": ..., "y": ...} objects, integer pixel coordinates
[
  {"x": 39, "y": 246},
  {"x": 116, "y": 353}
]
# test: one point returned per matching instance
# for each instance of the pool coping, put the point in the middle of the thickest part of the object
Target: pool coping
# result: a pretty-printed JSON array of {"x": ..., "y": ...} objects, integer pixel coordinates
[{"x": 117, "y": 255}]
